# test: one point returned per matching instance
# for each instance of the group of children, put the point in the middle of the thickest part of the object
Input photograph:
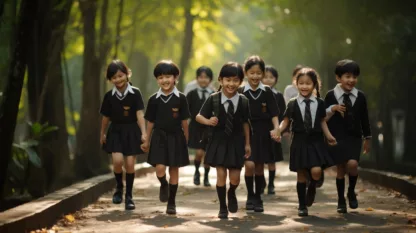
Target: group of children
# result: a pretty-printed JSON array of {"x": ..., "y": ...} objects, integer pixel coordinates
[{"x": 237, "y": 126}]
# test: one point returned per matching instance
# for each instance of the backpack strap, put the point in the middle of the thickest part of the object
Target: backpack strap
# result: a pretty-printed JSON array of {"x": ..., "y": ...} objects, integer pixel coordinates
[
  {"x": 246, "y": 110},
  {"x": 216, "y": 103}
]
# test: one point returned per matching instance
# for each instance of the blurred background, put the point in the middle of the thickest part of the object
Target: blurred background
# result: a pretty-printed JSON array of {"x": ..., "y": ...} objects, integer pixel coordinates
[{"x": 53, "y": 56}]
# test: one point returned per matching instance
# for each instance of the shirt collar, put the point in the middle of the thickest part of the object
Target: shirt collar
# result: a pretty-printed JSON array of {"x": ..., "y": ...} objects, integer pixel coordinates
[
  {"x": 338, "y": 91},
  {"x": 233, "y": 99},
  {"x": 248, "y": 87},
  {"x": 175, "y": 91},
  {"x": 300, "y": 98},
  {"x": 129, "y": 88},
  {"x": 209, "y": 91},
  {"x": 274, "y": 90}
]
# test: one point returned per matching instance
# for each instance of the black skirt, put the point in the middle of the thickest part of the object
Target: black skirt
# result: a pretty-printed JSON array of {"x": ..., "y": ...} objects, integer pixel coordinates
[
  {"x": 168, "y": 148},
  {"x": 309, "y": 150},
  {"x": 348, "y": 148},
  {"x": 263, "y": 148},
  {"x": 124, "y": 138},
  {"x": 225, "y": 151},
  {"x": 196, "y": 131}
]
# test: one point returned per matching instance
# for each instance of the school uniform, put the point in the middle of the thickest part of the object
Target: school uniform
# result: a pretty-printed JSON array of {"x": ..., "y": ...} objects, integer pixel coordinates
[
  {"x": 263, "y": 107},
  {"x": 226, "y": 149},
  {"x": 196, "y": 99},
  {"x": 124, "y": 134},
  {"x": 308, "y": 148},
  {"x": 168, "y": 144},
  {"x": 281, "y": 104},
  {"x": 349, "y": 129}
]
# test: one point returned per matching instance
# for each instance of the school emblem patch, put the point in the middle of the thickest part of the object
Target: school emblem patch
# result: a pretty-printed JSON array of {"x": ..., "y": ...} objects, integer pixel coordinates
[
  {"x": 126, "y": 110},
  {"x": 175, "y": 112},
  {"x": 263, "y": 107}
]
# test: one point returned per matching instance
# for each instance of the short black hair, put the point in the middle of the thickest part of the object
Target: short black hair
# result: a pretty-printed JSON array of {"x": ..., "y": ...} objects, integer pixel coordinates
[
  {"x": 274, "y": 72},
  {"x": 166, "y": 67},
  {"x": 347, "y": 66},
  {"x": 231, "y": 69},
  {"x": 254, "y": 60},
  {"x": 115, "y": 66},
  {"x": 206, "y": 70}
]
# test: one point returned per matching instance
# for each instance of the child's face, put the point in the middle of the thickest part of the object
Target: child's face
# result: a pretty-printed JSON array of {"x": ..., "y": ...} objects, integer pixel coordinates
[
  {"x": 119, "y": 80},
  {"x": 305, "y": 86},
  {"x": 269, "y": 79},
  {"x": 230, "y": 85},
  {"x": 203, "y": 80},
  {"x": 347, "y": 81},
  {"x": 254, "y": 75},
  {"x": 166, "y": 82}
]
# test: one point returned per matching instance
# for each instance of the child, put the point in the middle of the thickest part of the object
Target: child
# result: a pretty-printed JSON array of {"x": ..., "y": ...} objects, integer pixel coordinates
[
  {"x": 123, "y": 107},
  {"x": 290, "y": 90},
  {"x": 348, "y": 121},
  {"x": 196, "y": 98},
  {"x": 270, "y": 78},
  {"x": 265, "y": 123},
  {"x": 167, "y": 126},
  {"x": 230, "y": 141},
  {"x": 306, "y": 114}
]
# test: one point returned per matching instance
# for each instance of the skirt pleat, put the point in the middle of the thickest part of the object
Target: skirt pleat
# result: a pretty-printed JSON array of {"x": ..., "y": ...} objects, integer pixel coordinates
[
  {"x": 263, "y": 148},
  {"x": 124, "y": 138},
  {"x": 196, "y": 132}
]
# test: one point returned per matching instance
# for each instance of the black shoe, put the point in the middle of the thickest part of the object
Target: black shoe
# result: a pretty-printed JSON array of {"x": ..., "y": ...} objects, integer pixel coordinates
[
  {"x": 164, "y": 193},
  {"x": 310, "y": 195},
  {"x": 118, "y": 196},
  {"x": 320, "y": 182},
  {"x": 303, "y": 212},
  {"x": 232, "y": 202},
  {"x": 258, "y": 206},
  {"x": 197, "y": 178},
  {"x": 270, "y": 190},
  {"x": 352, "y": 200},
  {"x": 129, "y": 203},
  {"x": 171, "y": 209},
  {"x": 250, "y": 203},
  {"x": 223, "y": 214},
  {"x": 342, "y": 207},
  {"x": 206, "y": 182}
]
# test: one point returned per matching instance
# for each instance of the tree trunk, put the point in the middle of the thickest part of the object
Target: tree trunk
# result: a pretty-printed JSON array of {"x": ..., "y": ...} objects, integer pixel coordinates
[
  {"x": 187, "y": 42},
  {"x": 89, "y": 158},
  {"x": 14, "y": 85},
  {"x": 105, "y": 43},
  {"x": 118, "y": 28}
]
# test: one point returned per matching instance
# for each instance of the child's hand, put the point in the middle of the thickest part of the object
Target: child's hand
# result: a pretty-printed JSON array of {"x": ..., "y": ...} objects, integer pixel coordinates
[
  {"x": 367, "y": 146},
  {"x": 247, "y": 148},
  {"x": 103, "y": 139},
  {"x": 144, "y": 137},
  {"x": 213, "y": 121},
  {"x": 275, "y": 134},
  {"x": 331, "y": 140},
  {"x": 145, "y": 146},
  {"x": 339, "y": 108}
]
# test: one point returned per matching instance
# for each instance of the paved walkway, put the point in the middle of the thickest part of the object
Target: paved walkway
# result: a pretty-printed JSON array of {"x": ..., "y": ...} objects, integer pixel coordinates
[{"x": 380, "y": 210}]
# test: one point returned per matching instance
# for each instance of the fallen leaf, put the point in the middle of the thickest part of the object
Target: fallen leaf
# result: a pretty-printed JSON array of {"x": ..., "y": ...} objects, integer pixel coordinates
[
  {"x": 369, "y": 209},
  {"x": 305, "y": 229},
  {"x": 109, "y": 221},
  {"x": 70, "y": 218},
  {"x": 166, "y": 226},
  {"x": 363, "y": 190},
  {"x": 411, "y": 221}
]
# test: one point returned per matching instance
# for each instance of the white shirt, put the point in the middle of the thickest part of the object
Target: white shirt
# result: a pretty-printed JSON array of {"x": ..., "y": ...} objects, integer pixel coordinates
[
  {"x": 313, "y": 105},
  {"x": 175, "y": 91},
  {"x": 194, "y": 84},
  {"x": 339, "y": 92},
  {"x": 233, "y": 99},
  {"x": 260, "y": 86},
  {"x": 120, "y": 95},
  {"x": 290, "y": 92},
  {"x": 207, "y": 93}
]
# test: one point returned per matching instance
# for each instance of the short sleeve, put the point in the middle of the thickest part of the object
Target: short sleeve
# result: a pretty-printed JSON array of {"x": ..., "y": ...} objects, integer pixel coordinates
[
  {"x": 105, "y": 109},
  {"x": 321, "y": 109},
  {"x": 206, "y": 109},
  {"x": 281, "y": 104},
  {"x": 184, "y": 109},
  {"x": 247, "y": 113},
  {"x": 151, "y": 109},
  {"x": 271, "y": 103},
  {"x": 189, "y": 99},
  {"x": 289, "y": 109},
  {"x": 139, "y": 100}
]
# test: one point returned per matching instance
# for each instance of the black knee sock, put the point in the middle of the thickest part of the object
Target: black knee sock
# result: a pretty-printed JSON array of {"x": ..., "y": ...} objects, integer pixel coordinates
[
  {"x": 312, "y": 183},
  {"x": 272, "y": 174},
  {"x": 163, "y": 180},
  {"x": 172, "y": 194},
  {"x": 340, "y": 189},
  {"x": 353, "y": 182},
  {"x": 129, "y": 184},
  {"x": 197, "y": 164},
  {"x": 206, "y": 172},
  {"x": 249, "y": 184},
  {"x": 301, "y": 188},
  {"x": 119, "y": 180},
  {"x": 259, "y": 180},
  {"x": 232, "y": 189},
  {"x": 221, "y": 196}
]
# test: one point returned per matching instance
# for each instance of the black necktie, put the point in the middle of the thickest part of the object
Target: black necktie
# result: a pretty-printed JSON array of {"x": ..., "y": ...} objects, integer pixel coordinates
[
  {"x": 308, "y": 116},
  {"x": 230, "y": 116},
  {"x": 203, "y": 95},
  {"x": 349, "y": 115}
]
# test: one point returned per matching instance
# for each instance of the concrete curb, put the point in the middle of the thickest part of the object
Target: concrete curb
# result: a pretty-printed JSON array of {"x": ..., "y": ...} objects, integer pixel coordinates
[
  {"x": 45, "y": 211},
  {"x": 400, "y": 183}
]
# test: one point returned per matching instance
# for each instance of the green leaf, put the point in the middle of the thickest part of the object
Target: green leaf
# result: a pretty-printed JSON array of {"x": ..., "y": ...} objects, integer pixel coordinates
[
  {"x": 49, "y": 129},
  {"x": 29, "y": 143},
  {"x": 18, "y": 164},
  {"x": 33, "y": 157},
  {"x": 36, "y": 129}
]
